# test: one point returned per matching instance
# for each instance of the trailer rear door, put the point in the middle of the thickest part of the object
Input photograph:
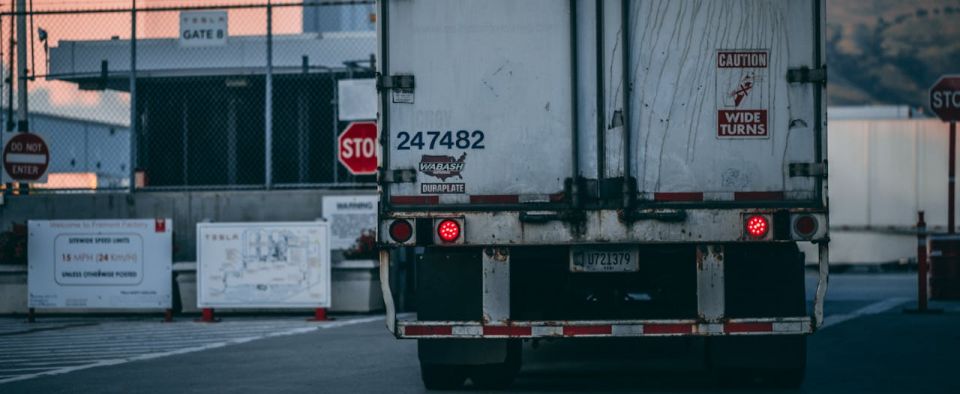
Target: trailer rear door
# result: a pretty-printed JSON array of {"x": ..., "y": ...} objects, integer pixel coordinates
[
  {"x": 714, "y": 114},
  {"x": 488, "y": 119},
  {"x": 692, "y": 101}
]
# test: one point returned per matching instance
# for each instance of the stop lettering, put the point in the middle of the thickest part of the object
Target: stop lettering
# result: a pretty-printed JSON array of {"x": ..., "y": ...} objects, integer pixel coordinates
[
  {"x": 945, "y": 98},
  {"x": 357, "y": 148}
]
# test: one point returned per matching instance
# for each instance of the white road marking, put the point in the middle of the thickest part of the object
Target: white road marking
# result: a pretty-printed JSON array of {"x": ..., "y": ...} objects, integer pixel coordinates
[
  {"x": 872, "y": 309},
  {"x": 7, "y": 378}
]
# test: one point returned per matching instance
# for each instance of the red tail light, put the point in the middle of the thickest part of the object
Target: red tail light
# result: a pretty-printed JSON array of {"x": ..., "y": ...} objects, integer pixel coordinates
[
  {"x": 757, "y": 226},
  {"x": 448, "y": 230},
  {"x": 401, "y": 231},
  {"x": 805, "y": 226}
]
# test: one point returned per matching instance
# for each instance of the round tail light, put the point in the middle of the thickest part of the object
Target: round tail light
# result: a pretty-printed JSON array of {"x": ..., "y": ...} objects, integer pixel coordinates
[
  {"x": 757, "y": 226},
  {"x": 401, "y": 231},
  {"x": 805, "y": 226},
  {"x": 448, "y": 230}
]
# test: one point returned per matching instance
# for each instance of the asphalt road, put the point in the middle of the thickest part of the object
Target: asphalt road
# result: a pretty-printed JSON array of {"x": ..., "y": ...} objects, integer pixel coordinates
[{"x": 868, "y": 345}]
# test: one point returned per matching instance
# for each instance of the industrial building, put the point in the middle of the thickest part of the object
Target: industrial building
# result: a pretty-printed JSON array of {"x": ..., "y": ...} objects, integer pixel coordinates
[
  {"x": 201, "y": 116},
  {"x": 84, "y": 154}
]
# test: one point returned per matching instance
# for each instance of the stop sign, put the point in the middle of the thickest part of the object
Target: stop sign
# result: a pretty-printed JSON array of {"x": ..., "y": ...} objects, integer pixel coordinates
[
  {"x": 945, "y": 98},
  {"x": 357, "y": 148},
  {"x": 26, "y": 157}
]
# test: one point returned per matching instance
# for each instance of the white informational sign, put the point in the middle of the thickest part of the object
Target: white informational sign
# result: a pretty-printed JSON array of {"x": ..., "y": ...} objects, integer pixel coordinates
[
  {"x": 203, "y": 28},
  {"x": 263, "y": 265},
  {"x": 349, "y": 217},
  {"x": 357, "y": 99},
  {"x": 100, "y": 263}
]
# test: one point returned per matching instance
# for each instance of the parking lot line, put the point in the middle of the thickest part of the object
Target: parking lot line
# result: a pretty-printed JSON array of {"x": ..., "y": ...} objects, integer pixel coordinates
[
  {"x": 110, "y": 357},
  {"x": 872, "y": 309}
]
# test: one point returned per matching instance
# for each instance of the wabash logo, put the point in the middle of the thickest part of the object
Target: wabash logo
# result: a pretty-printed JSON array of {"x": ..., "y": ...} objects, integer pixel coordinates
[{"x": 443, "y": 167}]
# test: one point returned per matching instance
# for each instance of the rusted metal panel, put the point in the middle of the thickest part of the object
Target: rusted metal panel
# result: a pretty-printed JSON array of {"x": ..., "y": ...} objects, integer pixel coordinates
[
  {"x": 391, "y": 312},
  {"x": 496, "y": 285},
  {"x": 822, "y": 280},
  {"x": 710, "y": 284}
]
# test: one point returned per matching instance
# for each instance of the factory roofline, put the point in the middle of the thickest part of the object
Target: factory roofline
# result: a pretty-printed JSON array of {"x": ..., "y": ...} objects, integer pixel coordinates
[{"x": 105, "y": 64}]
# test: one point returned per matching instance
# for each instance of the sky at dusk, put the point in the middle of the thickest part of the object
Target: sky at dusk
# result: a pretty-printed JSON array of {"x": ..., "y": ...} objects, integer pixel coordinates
[{"x": 64, "y": 98}]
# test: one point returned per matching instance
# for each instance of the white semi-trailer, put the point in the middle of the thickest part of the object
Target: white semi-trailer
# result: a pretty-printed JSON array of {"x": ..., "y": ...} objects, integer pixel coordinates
[{"x": 591, "y": 168}]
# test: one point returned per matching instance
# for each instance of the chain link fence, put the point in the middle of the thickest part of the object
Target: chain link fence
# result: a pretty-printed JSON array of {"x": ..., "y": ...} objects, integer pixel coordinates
[{"x": 189, "y": 95}]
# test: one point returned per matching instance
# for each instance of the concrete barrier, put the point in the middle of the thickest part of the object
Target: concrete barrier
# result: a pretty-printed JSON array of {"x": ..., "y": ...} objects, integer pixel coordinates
[
  {"x": 355, "y": 288},
  {"x": 186, "y": 209},
  {"x": 13, "y": 289}
]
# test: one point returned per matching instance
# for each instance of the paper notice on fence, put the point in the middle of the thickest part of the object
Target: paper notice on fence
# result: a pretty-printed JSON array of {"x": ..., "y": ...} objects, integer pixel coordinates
[{"x": 349, "y": 217}]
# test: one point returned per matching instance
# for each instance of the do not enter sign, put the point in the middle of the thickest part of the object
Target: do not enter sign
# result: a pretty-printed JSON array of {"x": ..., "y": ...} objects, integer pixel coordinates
[
  {"x": 357, "y": 148},
  {"x": 26, "y": 157},
  {"x": 945, "y": 98}
]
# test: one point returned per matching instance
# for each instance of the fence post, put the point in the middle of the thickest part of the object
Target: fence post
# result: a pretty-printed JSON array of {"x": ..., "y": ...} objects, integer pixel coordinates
[
  {"x": 22, "y": 92},
  {"x": 268, "y": 100},
  {"x": 336, "y": 125},
  {"x": 8, "y": 190},
  {"x": 133, "y": 98}
]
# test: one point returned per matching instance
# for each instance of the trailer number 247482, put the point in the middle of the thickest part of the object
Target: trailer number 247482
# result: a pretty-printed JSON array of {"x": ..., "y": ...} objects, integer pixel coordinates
[{"x": 420, "y": 140}]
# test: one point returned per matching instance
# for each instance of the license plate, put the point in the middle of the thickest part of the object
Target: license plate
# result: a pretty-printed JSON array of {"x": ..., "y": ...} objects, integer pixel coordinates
[{"x": 604, "y": 259}]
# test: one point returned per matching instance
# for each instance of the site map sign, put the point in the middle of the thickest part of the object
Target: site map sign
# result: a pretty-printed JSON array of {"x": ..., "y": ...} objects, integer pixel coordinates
[{"x": 263, "y": 265}]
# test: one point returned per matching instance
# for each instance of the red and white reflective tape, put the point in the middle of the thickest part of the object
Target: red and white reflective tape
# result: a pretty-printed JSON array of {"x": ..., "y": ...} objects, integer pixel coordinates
[
  {"x": 536, "y": 329},
  {"x": 513, "y": 199},
  {"x": 414, "y": 200},
  {"x": 479, "y": 199},
  {"x": 718, "y": 196}
]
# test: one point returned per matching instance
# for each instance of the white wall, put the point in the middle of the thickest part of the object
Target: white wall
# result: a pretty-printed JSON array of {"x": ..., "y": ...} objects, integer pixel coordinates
[{"x": 881, "y": 172}]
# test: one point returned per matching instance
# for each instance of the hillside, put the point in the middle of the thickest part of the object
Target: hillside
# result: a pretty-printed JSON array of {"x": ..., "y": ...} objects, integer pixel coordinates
[{"x": 890, "y": 51}]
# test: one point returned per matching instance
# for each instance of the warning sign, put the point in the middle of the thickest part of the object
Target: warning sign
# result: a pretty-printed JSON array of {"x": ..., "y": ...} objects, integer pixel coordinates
[{"x": 742, "y": 94}]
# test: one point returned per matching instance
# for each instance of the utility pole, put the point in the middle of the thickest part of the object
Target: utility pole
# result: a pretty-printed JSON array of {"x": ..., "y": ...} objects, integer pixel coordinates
[{"x": 22, "y": 37}]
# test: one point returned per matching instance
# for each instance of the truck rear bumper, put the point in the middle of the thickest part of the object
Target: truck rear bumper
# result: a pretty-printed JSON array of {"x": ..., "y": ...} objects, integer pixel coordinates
[
  {"x": 603, "y": 329},
  {"x": 711, "y": 309}
]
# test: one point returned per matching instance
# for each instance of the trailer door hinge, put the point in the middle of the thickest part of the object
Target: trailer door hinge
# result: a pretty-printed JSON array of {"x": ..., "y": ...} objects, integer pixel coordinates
[
  {"x": 404, "y": 82},
  {"x": 807, "y": 75},
  {"x": 400, "y": 176},
  {"x": 808, "y": 170}
]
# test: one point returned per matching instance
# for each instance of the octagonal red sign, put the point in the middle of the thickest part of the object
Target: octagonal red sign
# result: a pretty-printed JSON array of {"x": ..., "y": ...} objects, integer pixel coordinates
[
  {"x": 357, "y": 148},
  {"x": 945, "y": 98}
]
